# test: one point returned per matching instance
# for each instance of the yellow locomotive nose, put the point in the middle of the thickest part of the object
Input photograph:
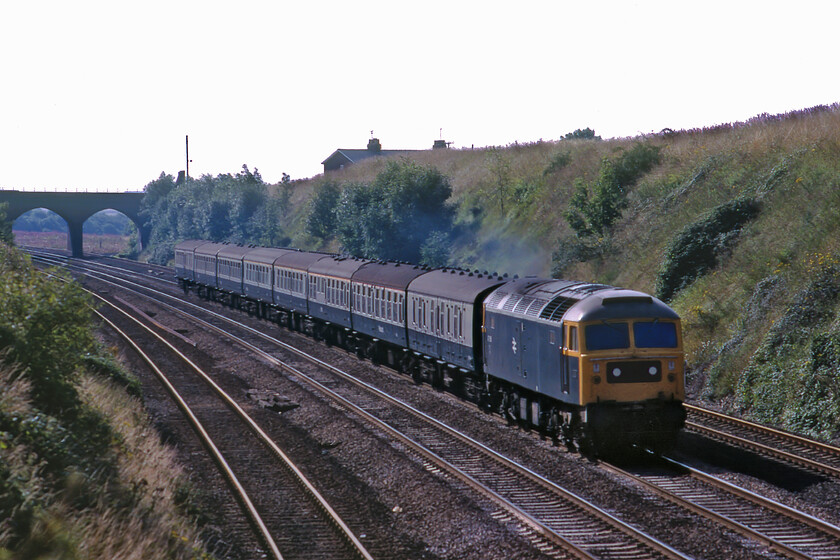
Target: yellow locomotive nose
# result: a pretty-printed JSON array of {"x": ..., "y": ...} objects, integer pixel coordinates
[{"x": 631, "y": 360}]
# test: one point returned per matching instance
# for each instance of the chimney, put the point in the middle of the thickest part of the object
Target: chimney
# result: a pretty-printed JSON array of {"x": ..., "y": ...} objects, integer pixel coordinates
[{"x": 374, "y": 145}]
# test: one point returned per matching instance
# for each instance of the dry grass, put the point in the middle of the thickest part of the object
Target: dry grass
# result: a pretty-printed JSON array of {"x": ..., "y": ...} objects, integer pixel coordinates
[{"x": 146, "y": 525}]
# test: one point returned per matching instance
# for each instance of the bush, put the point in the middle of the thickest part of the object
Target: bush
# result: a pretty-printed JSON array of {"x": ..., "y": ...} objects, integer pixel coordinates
[
  {"x": 558, "y": 162},
  {"x": 696, "y": 248},
  {"x": 593, "y": 210},
  {"x": 45, "y": 327},
  {"x": 6, "y": 235},
  {"x": 402, "y": 216},
  {"x": 581, "y": 134},
  {"x": 321, "y": 221}
]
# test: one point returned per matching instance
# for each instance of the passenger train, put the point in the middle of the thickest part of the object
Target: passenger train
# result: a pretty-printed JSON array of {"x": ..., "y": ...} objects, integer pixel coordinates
[{"x": 599, "y": 367}]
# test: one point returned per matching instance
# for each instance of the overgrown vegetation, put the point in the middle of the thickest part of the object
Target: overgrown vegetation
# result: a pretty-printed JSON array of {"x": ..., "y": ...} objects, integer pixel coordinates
[
  {"x": 238, "y": 208},
  {"x": 69, "y": 487},
  {"x": 402, "y": 215},
  {"x": 675, "y": 213},
  {"x": 696, "y": 249},
  {"x": 6, "y": 235},
  {"x": 595, "y": 208}
]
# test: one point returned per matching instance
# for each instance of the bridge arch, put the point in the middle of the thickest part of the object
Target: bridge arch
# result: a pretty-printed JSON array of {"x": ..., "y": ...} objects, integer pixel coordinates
[{"x": 76, "y": 208}]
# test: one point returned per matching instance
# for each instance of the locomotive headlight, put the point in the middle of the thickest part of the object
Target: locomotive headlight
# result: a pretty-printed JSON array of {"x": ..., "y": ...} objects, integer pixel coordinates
[
  {"x": 652, "y": 370},
  {"x": 616, "y": 372}
]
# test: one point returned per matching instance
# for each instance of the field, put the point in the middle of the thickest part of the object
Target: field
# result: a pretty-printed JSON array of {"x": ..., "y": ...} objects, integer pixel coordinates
[{"x": 94, "y": 244}]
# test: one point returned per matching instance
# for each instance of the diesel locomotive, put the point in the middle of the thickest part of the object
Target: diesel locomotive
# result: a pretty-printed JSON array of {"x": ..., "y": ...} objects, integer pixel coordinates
[{"x": 599, "y": 367}]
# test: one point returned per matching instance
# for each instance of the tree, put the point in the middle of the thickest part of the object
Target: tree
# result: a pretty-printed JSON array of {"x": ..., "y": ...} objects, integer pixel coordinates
[
  {"x": 584, "y": 134},
  {"x": 593, "y": 211},
  {"x": 499, "y": 165},
  {"x": 394, "y": 218},
  {"x": 6, "y": 235},
  {"x": 321, "y": 219}
]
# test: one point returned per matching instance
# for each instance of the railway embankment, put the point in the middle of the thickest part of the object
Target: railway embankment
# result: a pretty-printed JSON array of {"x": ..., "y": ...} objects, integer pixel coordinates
[{"x": 79, "y": 475}]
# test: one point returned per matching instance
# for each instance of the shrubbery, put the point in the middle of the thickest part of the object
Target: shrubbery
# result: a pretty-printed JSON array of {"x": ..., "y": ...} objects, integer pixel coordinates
[
  {"x": 595, "y": 208},
  {"x": 64, "y": 488},
  {"x": 794, "y": 377},
  {"x": 6, "y": 235},
  {"x": 402, "y": 216},
  {"x": 696, "y": 249},
  {"x": 238, "y": 208}
]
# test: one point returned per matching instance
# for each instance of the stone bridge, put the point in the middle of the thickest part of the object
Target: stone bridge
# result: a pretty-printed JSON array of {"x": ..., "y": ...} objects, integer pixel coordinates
[{"x": 76, "y": 208}]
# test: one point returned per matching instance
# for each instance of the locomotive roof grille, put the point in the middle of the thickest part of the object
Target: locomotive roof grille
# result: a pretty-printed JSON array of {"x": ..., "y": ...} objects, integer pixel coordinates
[
  {"x": 555, "y": 310},
  {"x": 511, "y": 302},
  {"x": 523, "y": 304},
  {"x": 494, "y": 299}
]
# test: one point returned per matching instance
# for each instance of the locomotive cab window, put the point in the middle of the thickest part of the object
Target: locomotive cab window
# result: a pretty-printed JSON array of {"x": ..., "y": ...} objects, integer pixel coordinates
[
  {"x": 655, "y": 334},
  {"x": 607, "y": 336}
]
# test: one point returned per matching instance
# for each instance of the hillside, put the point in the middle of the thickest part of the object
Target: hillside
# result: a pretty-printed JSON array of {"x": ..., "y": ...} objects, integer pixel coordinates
[
  {"x": 755, "y": 276},
  {"x": 736, "y": 226}
]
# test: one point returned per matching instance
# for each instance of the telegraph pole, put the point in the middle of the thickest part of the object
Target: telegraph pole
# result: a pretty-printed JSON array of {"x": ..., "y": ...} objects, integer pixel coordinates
[{"x": 188, "y": 157}]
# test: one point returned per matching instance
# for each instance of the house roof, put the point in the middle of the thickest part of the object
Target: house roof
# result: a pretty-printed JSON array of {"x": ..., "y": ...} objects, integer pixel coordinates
[{"x": 356, "y": 155}]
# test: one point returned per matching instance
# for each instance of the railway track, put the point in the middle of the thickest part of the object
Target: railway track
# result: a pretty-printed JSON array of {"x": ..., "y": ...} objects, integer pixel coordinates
[
  {"x": 768, "y": 442},
  {"x": 558, "y": 523},
  {"x": 305, "y": 525},
  {"x": 781, "y": 528},
  {"x": 785, "y": 530}
]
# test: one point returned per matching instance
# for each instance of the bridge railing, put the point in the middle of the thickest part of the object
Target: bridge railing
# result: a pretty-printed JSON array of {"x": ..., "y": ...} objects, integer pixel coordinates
[{"x": 107, "y": 190}]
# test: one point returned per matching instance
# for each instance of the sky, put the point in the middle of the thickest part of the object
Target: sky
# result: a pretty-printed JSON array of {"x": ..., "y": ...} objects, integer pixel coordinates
[{"x": 100, "y": 95}]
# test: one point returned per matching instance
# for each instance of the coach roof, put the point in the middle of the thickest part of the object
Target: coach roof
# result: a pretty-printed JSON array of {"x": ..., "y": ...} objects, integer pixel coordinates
[
  {"x": 265, "y": 255},
  {"x": 235, "y": 252},
  {"x": 396, "y": 276},
  {"x": 337, "y": 267},
  {"x": 454, "y": 284},
  {"x": 209, "y": 248},
  {"x": 190, "y": 244},
  {"x": 299, "y": 260}
]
